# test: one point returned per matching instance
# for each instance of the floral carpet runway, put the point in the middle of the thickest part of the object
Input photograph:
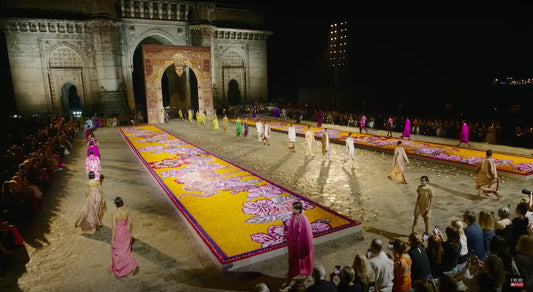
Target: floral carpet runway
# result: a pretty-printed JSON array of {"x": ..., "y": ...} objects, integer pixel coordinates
[
  {"x": 237, "y": 214},
  {"x": 512, "y": 164}
]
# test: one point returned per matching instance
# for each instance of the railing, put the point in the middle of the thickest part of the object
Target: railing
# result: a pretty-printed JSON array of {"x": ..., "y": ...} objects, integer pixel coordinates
[{"x": 148, "y": 9}]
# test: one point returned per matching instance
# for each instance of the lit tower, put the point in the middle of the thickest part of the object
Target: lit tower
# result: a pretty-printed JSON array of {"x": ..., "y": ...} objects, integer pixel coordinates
[{"x": 338, "y": 41}]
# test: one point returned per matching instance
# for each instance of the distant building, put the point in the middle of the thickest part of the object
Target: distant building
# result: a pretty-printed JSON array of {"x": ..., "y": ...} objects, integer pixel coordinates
[{"x": 70, "y": 55}]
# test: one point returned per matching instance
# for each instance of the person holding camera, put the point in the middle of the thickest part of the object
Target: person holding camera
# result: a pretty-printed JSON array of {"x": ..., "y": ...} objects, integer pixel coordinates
[
  {"x": 347, "y": 281},
  {"x": 420, "y": 262},
  {"x": 519, "y": 224},
  {"x": 382, "y": 265},
  {"x": 320, "y": 283}
]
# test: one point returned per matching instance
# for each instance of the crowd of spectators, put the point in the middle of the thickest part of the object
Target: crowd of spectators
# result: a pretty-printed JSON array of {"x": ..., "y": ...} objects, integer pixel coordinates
[
  {"x": 475, "y": 258},
  {"x": 491, "y": 131},
  {"x": 31, "y": 152}
]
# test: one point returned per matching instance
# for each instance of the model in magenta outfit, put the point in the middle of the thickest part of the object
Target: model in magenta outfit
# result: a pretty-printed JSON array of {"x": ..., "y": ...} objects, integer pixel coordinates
[
  {"x": 319, "y": 121},
  {"x": 407, "y": 129},
  {"x": 95, "y": 150},
  {"x": 362, "y": 125},
  {"x": 299, "y": 234},
  {"x": 463, "y": 135}
]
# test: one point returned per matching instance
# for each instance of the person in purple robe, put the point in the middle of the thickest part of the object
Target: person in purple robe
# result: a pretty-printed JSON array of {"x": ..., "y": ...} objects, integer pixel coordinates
[
  {"x": 463, "y": 135},
  {"x": 319, "y": 120},
  {"x": 362, "y": 125},
  {"x": 299, "y": 235},
  {"x": 390, "y": 126},
  {"x": 254, "y": 114},
  {"x": 407, "y": 129},
  {"x": 277, "y": 113}
]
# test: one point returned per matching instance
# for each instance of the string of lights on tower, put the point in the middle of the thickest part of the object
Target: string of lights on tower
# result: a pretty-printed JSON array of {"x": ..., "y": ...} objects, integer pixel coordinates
[
  {"x": 338, "y": 44},
  {"x": 338, "y": 41}
]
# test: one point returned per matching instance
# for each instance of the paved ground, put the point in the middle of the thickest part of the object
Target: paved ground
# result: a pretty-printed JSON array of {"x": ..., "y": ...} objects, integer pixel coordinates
[{"x": 58, "y": 257}]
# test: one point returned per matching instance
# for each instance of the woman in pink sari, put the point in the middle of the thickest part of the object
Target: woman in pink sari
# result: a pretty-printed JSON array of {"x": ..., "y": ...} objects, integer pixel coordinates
[
  {"x": 122, "y": 260},
  {"x": 407, "y": 129},
  {"x": 299, "y": 235},
  {"x": 463, "y": 135}
]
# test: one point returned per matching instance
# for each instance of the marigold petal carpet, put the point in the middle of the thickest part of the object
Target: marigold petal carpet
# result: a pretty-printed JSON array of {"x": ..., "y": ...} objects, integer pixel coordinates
[{"x": 238, "y": 215}]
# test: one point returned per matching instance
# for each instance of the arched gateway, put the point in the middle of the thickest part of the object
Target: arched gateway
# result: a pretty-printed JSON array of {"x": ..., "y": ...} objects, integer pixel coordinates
[
  {"x": 94, "y": 52},
  {"x": 156, "y": 60}
]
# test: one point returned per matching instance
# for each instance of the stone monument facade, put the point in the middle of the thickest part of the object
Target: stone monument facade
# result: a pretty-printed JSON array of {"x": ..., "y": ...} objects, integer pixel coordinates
[{"x": 80, "y": 56}]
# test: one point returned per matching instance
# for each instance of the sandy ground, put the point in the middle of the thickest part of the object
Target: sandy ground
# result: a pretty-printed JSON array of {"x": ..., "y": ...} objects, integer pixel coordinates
[{"x": 58, "y": 257}]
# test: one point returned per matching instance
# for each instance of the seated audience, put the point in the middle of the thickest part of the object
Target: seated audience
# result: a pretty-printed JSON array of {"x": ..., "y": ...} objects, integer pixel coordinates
[
  {"x": 402, "y": 267},
  {"x": 504, "y": 226},
  {"x": 474, "y": 235},
  {"x": 364, "y": 273},
  {"x": 382, "y": 265},
  {"x": 487, "y": 225},
  {"x": 321, "y": 284},
  {"x": 463, "y": 255},
  {"x": 420, "y": 267}
]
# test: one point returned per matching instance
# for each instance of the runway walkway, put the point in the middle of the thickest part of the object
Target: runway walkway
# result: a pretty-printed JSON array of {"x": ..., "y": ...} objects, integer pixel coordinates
[{"x": 58, "y": 257}]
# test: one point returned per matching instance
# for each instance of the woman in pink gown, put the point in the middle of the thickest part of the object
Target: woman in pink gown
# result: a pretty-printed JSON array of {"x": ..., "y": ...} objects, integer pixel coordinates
[
  {"x": 463, "y": 135},
  {"x": 299, "y": 234},
  {"x": 407, "y": 129},
  {"x": 122, "y": 260},
  {"x": 91, "y": 213}
]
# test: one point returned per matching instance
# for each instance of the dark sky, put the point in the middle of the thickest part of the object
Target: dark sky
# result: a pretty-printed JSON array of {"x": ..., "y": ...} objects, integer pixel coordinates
[{"x": 430, "y": 48}]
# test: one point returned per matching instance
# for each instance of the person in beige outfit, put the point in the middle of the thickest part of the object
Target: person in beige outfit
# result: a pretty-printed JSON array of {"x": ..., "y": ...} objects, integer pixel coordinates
[{"x": 423, "y": 203}]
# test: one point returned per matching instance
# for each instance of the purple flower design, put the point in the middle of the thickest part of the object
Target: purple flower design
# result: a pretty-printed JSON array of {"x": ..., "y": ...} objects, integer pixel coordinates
[
  {"x": 524, "y": 166},
  {"x": 280, "y": 209},
  {"x": 169, "y": 150},
  {"x": 176, "y": 143},
  {"x": 502, "y": 162},
  {"x": 265, "y": 191},
  {"x": 444, "y": 156},
  {"x": 260, "y": 208},
  {"x": 150, "y": 148},
  {"x": 153, "y": 137},
  {"x": 236, "y": 184},
  {"x": 321, "y": 225},
  {"x": 166, "y": 163},
  {"x": 275, "y": 235}
]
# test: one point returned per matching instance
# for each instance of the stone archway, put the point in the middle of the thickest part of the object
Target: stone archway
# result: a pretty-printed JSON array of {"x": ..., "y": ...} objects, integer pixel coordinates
[{"x": 157, "y": 58}]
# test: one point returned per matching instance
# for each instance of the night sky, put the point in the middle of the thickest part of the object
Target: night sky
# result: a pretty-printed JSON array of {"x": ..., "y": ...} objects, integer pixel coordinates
[{"x": 405, "y": 51}]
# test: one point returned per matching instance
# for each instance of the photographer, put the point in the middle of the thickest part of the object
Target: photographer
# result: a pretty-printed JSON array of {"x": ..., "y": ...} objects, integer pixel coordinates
[
  {"x": 519, "y": 224},
  {"x": 529, "y": 213}
]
